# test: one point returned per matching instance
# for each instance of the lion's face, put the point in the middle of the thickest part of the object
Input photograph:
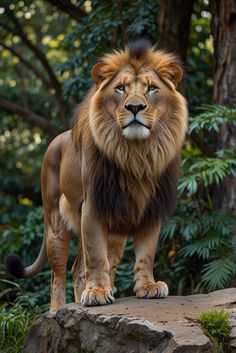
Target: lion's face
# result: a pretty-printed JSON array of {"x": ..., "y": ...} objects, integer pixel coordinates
[
  {"x": 137, "y": 97},
  {"x": 135, "y": 108},
  {"x": 138, "y": 101}
]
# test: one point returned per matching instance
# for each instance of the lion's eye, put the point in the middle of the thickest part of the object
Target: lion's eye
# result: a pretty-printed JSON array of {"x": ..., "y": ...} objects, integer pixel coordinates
[
  {"x": 120, "y": 88},
  {"x": 152, "y": 88}
]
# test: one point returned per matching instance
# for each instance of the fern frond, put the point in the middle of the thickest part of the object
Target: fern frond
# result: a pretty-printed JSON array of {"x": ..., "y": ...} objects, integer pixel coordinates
[
  {"x": 218, "y": 273},
  {"x": 211, "y": 118},
  {"x": 203, "y": 246},
  {"x": 206, "y": 171}
]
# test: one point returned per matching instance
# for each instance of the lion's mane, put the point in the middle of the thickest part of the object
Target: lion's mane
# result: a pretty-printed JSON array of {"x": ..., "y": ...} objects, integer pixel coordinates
[{"x": 131, "y": 184}]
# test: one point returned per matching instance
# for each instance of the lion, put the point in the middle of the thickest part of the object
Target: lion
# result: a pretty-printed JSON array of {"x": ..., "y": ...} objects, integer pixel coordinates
[{"x": 113, "y": 174}]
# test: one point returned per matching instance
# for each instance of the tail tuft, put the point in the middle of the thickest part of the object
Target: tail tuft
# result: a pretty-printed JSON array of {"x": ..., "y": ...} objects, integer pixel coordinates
[{"x": 14, "y": 265}]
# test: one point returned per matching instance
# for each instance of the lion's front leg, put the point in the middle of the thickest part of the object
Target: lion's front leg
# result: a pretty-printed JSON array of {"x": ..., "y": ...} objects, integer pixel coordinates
[
  {"x": 98, "y": 290},
  {"x": 145, "y": 249}
]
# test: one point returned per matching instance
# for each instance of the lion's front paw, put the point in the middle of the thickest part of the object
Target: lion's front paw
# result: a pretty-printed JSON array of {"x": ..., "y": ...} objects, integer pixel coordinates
[
  {"x": 153, "y": 290},
  {"x": 97, "y": 296}
]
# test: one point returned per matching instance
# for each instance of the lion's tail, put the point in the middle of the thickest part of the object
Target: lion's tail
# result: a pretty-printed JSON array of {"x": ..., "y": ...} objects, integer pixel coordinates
[{"x": 15, "y": 267}]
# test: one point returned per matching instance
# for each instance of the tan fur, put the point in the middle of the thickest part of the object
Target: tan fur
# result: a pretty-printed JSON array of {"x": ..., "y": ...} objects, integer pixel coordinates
[
  {"x": 70, "y": 218},
  {"x": 106, "y": 153}
]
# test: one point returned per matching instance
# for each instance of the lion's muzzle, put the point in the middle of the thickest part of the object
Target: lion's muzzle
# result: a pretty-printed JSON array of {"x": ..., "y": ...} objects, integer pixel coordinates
[
  {"x": 135, "y": 125},
  {"x": 135, "y": 122},
  {"x": 135, "y": 108}
]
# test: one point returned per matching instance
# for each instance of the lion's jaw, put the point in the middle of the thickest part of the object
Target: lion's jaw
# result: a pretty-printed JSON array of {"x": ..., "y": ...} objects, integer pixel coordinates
[{"x": 135, "y": 131}]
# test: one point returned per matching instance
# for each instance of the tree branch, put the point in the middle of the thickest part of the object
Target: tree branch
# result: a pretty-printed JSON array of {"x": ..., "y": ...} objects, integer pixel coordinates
[
  {"x": 28, "y": 64},
  {"x": 18, "y": 30},
  {"x": 67, "y": 7},
  {"x": 29, "y": 116}
]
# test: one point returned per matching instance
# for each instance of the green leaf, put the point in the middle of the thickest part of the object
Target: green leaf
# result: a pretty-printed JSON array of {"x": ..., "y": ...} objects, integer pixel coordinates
[{"x": 217, "y": 273}]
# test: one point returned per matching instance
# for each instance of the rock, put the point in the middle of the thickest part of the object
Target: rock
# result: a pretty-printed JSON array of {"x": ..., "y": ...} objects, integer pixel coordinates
[
  {"x": 232, "y": 336},
  {"x": 131, "y": 326}
]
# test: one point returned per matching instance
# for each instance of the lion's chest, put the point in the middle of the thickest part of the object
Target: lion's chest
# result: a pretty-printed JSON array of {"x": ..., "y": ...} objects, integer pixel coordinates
[
  {"x": 117, "y": 202},
  {"x": 124, "y": 203}
]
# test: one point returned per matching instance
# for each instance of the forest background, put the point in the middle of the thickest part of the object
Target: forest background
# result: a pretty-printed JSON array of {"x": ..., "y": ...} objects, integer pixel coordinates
[{"x": 47, "y": 50}]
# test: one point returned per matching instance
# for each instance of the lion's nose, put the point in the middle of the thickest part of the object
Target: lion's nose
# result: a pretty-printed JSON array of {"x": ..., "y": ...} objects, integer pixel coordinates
[{"x": 135, "y": 108}]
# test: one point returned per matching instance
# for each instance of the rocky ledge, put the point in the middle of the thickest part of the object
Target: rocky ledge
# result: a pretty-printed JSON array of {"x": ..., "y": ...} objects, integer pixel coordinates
[{"x": 132, "y": 326}]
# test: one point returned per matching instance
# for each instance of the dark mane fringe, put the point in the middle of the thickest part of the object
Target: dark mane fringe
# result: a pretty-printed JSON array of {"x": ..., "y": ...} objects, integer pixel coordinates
[
  {"x": 116, "y": 206},
  {"x": 138, "y": 48}
]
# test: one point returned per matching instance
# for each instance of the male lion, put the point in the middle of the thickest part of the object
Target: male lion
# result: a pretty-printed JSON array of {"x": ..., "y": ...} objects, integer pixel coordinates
[{"x": 115, "y": 173}]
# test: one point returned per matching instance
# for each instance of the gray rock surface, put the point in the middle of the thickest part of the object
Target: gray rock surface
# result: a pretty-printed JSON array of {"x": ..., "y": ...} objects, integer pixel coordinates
[{"x": 132, "y": 326}]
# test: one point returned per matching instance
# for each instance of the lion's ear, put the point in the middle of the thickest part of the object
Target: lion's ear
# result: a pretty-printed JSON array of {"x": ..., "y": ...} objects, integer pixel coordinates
[
  {"x": 175, "y": 74},
  {"x": 96, "y": 73}
]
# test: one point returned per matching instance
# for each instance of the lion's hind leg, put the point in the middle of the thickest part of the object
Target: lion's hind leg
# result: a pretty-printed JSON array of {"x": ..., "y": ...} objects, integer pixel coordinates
[
  {"x": 57, "y": 240},
  {"x": 116, "y": 246},
  {"x": 78, "y": 272},
  {"x": 72, "y": 221}
]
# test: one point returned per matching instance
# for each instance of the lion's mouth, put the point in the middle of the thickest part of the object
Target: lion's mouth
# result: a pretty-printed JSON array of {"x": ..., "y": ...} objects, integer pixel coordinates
[{"x": 135, "y": 122}]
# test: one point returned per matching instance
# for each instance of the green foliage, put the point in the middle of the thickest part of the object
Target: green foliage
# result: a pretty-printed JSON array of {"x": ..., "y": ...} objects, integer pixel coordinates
[
  {"x": 107, "y": 25},
  {"x": 20, "y": 145},
  {"x": 199, "y": 237},
  {"x": 207, "y": 171},
  {"x": 199, "y": 81},
  {"x": 15, "y": 321},
  {"x": 211, "y": 118},
  {"x": 25, "y": 239},
  {"x": 215, "y": 325},
  {"x": 218, "y": 273},
  {"x": 28, "y": 235}
]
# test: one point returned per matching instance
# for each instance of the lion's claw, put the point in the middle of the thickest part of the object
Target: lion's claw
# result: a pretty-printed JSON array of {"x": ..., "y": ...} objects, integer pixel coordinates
[
  {"x": 153, "y": 290},
  {"x": 97, "y": 296}
]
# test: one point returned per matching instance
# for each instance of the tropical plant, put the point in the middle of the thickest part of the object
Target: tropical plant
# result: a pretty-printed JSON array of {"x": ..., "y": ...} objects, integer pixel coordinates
[{"x": 199, "y": 238}]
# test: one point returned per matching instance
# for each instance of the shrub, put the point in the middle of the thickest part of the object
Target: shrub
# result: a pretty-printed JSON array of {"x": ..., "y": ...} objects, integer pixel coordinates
[
  {"x": 15, "y": 321},
  {"x": 215, "y": 325}
]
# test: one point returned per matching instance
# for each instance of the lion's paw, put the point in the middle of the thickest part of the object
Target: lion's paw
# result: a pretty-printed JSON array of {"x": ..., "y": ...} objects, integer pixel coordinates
[
  {"x": 153, "y": 290},
  {"x": 97, "y": 296}
]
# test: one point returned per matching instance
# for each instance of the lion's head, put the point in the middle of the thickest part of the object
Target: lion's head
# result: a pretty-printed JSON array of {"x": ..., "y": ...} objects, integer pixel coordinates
[
  {"x": 136, "y": 102},
  {"x": 131, "y": 128}
]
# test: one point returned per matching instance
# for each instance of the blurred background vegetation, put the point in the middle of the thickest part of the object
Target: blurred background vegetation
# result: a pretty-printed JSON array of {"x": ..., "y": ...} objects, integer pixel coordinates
[{"x": 47, "y": 50}]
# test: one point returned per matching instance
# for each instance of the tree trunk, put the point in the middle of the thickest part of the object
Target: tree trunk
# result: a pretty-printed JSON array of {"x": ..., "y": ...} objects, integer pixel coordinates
[
  {"x": 224, "y": 33},
  {"x": 174, "y": 24}
]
